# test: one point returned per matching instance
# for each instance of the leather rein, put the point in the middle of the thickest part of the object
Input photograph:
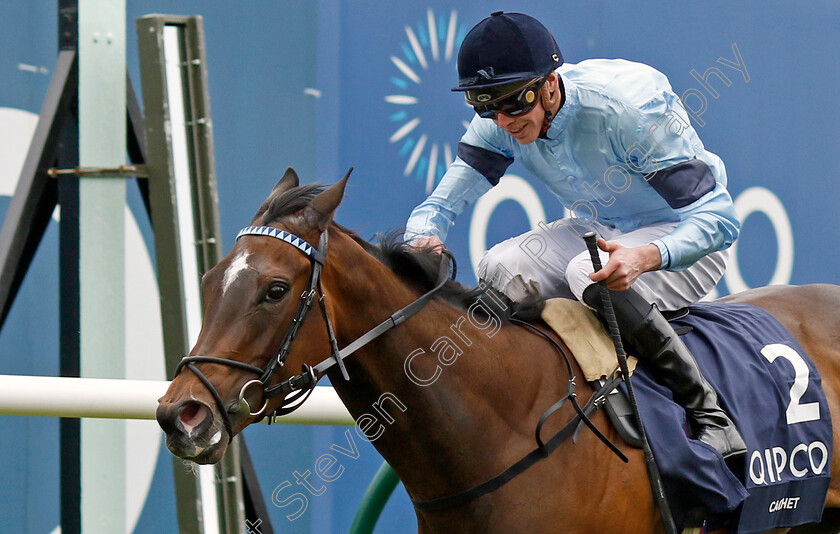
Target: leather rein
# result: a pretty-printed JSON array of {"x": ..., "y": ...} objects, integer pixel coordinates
[{"x": 296, "y": 389}]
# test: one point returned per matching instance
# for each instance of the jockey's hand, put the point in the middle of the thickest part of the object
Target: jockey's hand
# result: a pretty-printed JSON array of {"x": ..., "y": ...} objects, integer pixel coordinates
[
  {"x": 428, "y": 244},
  {"x": 626, "y": 264}
]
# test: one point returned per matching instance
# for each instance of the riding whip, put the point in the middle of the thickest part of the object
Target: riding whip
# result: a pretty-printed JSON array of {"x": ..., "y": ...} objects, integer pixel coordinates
[{"x": 609, "y": 315}]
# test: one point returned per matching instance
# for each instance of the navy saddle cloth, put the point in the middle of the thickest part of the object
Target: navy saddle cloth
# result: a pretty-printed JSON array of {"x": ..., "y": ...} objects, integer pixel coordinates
[{"x": 773, "y": 392}]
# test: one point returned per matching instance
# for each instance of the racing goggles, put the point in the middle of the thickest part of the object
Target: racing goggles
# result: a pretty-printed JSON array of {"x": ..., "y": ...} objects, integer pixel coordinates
[{"x": 488, "y": 103}]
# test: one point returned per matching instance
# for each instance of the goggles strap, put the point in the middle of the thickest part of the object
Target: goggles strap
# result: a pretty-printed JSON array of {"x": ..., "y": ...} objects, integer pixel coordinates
[{"x": 519, "y": 91}]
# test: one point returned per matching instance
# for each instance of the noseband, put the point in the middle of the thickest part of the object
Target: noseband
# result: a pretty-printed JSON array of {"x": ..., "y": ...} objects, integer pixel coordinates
[{"x": 297, "y": 388}]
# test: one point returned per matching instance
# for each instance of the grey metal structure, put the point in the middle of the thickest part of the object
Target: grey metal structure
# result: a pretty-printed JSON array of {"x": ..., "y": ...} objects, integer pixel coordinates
[
  {"x": 55, "y": 144},
  {"x": 51, "y": 176}
]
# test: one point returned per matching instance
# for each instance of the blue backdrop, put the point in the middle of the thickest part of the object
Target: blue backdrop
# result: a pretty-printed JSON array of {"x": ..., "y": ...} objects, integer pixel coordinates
[{"x": 323, "y": 86}]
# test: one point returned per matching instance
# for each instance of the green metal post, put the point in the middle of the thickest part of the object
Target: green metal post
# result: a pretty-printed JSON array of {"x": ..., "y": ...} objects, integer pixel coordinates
[
  {"x": 373, "y": 501},
  {"x": 185, "y": 218}
]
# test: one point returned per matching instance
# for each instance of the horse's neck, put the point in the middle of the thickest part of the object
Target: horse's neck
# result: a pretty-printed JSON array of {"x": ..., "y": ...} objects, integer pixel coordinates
[{"x": 440, "y": 387}]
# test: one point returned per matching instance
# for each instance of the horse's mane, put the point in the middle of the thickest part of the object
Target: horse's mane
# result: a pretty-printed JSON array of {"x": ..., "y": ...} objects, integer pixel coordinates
[
  {"x": 417, "y": 268},
  {"x": 282, "y": 204}
]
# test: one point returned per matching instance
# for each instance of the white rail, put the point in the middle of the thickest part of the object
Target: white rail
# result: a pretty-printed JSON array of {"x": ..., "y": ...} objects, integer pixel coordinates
[{"x": 131, "y": 399}]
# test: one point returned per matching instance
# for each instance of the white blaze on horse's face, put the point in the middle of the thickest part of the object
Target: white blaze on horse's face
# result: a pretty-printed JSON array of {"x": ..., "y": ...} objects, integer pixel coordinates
[{"x": 239, "y": 264}]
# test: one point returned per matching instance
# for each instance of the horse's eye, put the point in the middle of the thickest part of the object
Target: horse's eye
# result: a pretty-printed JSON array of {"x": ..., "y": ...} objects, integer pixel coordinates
[{"x": 276, "y": 291}]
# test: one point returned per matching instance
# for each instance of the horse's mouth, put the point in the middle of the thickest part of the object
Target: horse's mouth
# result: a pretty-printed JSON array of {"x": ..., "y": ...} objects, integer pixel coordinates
[
  {"x": 193, "y": 431},
  {"x": 190, "y": 449}
]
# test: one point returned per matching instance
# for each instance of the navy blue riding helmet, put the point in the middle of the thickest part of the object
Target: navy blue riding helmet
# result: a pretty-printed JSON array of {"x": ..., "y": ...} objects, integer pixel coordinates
[{"x": 503, "y": 61}]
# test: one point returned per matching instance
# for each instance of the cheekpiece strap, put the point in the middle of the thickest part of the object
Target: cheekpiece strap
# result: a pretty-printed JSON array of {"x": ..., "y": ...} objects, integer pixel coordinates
[{"x": 282, "y": 235}]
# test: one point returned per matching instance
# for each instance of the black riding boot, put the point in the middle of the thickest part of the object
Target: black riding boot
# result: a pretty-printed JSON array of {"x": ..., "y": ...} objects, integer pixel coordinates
[{"x": 652, "y": 339}]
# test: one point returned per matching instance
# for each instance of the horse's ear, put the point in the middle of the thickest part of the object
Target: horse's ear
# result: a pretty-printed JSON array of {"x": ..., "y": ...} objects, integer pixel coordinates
[
  {"x": 289, "y": 180},
  {"x": 320, "y": 211}
]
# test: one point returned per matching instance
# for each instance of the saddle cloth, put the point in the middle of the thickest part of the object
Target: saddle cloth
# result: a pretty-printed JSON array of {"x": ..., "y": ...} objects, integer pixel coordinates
[{"x": 768, "y": 386}]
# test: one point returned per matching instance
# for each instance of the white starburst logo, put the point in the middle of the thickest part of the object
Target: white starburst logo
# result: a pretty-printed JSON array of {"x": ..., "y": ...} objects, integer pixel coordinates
[{"x": 429, "y": 53}]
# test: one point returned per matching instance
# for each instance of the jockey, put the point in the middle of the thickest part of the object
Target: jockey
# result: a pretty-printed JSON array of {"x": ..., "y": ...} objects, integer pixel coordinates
[{"x": 614, "y": 144}]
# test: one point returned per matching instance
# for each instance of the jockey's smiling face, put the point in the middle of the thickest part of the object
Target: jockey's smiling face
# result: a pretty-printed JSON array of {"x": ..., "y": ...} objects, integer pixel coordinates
[{"x": 525, "y": 127}]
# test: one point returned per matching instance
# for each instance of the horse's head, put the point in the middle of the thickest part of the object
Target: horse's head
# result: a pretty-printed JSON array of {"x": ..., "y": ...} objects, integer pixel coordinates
[{"x": 244, "y": 363}]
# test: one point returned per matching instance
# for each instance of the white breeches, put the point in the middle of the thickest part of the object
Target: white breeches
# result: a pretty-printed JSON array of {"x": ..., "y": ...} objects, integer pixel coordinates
[{"x": 554, "y": 261}]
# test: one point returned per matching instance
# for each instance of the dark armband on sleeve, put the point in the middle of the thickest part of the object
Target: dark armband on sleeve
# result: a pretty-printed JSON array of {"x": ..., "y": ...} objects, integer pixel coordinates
[
  {"x": 683, "y": 183},
  {"x": 491, "y": 165}
]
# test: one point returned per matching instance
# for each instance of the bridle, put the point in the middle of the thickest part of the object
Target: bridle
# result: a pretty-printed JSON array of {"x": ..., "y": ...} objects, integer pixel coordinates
[{"x": 297, "y": 388}]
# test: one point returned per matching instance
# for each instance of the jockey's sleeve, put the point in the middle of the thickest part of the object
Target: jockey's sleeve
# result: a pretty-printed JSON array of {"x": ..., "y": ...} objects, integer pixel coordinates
[
  {"x": 707, "y": 224},
  {"x": 664, "y": 146}
]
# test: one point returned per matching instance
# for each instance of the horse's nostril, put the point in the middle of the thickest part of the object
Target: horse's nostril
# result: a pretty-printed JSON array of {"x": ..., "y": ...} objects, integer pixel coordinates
[{"x": 194, "y": 415}]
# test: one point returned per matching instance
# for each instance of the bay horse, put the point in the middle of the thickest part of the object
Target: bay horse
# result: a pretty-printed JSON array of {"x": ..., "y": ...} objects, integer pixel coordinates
[{"x": 464, "y": 392}]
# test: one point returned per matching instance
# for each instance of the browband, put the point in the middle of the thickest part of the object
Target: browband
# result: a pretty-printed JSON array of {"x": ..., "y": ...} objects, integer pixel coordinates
[{"x": 282, "y": 235}]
